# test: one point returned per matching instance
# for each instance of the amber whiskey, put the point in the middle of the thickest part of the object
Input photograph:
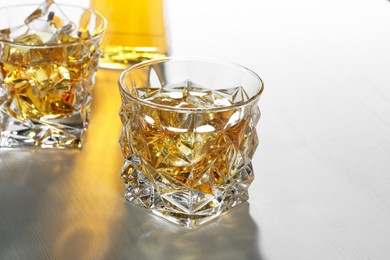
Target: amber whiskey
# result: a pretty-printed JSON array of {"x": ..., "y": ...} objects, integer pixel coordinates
[
  {"x": 136, "y": 31},
  {"x": 189, "y": 150}
]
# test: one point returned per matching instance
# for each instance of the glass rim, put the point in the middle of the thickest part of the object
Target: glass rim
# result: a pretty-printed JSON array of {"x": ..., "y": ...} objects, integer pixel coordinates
[
  {"x": 253, "y": 99},
  {"x": 48, "y": 46}
]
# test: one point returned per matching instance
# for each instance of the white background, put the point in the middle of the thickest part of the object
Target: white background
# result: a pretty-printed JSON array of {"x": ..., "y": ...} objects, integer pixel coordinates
[{"x": 322, "y": 187}]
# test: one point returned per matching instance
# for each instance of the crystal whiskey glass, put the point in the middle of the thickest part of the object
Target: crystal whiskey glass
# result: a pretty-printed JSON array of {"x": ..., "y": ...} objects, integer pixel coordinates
[{"x": 188, "y": 136}]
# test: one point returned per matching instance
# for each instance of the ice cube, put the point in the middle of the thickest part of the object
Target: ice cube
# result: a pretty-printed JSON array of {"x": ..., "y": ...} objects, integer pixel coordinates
[
  {"x": 5, "y": 34},
  {"x": 48, "y": 80},
  {"x": 50, "y": 12},
  {"x": 43, "y": 30},
  {"x": 61, "y": 34},
  {"x": 49, "y": 22},
  {"x": 29, "y": 39},
  {"x": 9, "y": 34},
  {"x": 84, "y": 22},
  {"x": 45, "y": 25},
  {"x": 200, "y": 102},
  {"x": 66, "y": 38}
]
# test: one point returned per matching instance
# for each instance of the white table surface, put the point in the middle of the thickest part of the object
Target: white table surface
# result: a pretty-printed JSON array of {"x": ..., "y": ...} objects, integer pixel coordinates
[{"x": 322, "y": 186}]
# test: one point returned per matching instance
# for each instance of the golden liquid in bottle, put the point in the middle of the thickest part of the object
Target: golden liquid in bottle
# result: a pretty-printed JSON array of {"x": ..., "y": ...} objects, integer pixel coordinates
[{"x": 136, "y": 31}]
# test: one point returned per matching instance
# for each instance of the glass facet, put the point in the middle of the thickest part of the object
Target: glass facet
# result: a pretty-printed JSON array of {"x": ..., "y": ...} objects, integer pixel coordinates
[
  {"x": 188, "y": 137},
  {"x": 48, "y": 61}
]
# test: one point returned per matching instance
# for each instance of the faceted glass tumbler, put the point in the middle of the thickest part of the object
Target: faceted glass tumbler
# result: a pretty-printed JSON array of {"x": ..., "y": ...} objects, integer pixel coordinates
[
  {"x": 47, "y": 74},
  {"x": 188, "y": 136}
]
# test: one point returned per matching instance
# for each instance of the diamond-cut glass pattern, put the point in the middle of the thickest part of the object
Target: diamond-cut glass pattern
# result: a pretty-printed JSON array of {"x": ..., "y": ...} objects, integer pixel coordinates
[
  {"x": 46, "y": 87},
  {"x": 188, "y": 166}
]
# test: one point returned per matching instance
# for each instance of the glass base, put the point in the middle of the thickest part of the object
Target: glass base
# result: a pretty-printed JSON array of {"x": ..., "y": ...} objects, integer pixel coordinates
[
  {"x": 192, "y": 221},
  {"x": 177, "y": 202},
  {"x": 61, "y": 133}
]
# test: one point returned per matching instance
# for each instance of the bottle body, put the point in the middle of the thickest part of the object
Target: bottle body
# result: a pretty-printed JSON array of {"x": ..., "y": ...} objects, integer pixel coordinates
[{"x": 136, "y": 31}]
